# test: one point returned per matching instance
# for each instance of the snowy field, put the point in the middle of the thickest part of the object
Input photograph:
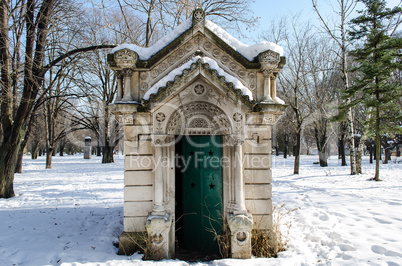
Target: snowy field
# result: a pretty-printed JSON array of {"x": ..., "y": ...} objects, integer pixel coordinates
[{"x": 72, "y": 214}]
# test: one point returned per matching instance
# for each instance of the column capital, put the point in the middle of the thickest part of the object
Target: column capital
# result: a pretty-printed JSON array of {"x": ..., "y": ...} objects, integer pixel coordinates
[
  {"x": 267, "y": 73},
  {"x": 159, "y": 140},
  {"x": 235, "y": 140},
  {"x": 127, "y": 72}
]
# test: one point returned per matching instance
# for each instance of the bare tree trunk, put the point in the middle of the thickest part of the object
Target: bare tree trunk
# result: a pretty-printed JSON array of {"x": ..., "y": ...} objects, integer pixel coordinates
[
  {"x": 285, "y": 149},
  {"x": 387, "y": 155},
  {"x": 321, "y": 147},
  {"x": 18, "y": 166},
  {"x": 61, "y": 149},
  {"x": 296, "y": 167},
  {"x": 107, "y": 154},
  {"x": 9, "y": 146},
  {"x": 8, "y": 159},
  {"x": 378, "y": 145},
  {"x": 49, "y": 153},
  {"x": 352, "y": 143},
  {"x": 322, "y": 155},
  {"x": 34, "y": 150},
  {"x": 359, "y": 154},
  {"x": 342, "y": 154}
]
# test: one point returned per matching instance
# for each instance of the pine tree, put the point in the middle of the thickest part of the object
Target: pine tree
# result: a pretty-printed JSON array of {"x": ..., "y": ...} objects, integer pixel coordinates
[{"x": 378, "y": 56}]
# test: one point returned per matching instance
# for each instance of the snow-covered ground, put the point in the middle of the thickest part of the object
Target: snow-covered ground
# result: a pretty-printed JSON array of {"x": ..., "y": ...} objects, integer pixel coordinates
[{"x": 72, "y": 214}]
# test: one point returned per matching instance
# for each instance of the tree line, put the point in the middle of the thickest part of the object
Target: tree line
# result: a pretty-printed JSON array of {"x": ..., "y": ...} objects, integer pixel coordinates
[
  {"x": 56, "y": 86},
  {"x": 342, "y": 81},
  {"x": 55, "y": 81}
]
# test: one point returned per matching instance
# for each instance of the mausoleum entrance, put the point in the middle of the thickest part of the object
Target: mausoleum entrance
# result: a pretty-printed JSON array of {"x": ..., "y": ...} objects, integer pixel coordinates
[{"x": 199, "y": 193}]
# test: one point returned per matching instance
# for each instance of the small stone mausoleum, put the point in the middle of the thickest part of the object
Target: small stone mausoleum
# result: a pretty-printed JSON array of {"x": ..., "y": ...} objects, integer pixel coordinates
[{"x": 198, "y": 109}]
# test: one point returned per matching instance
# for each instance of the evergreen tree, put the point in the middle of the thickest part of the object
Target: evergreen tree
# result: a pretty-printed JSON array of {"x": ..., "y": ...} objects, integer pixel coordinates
[{"x": 378, "y": 57}]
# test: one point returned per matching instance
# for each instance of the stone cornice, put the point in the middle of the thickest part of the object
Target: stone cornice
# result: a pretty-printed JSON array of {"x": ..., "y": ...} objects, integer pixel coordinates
[{"x": 147, "y": 64}]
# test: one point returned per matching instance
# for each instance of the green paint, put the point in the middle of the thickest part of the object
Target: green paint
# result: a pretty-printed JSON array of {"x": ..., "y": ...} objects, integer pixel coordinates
[{"x": 202, "y": 192}]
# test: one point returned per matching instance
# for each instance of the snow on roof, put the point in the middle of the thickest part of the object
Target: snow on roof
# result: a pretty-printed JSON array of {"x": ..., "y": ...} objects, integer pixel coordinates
[
  {"x": 229, "y": 78},
  {"x": 213, "y": 65},
  {"x": 145, "y": 53},
  {"x": 249, "y": 52}
]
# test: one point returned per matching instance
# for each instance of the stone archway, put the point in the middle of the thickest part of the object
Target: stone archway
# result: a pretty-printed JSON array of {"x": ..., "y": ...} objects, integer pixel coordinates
[{"x": 198, "y": 118}]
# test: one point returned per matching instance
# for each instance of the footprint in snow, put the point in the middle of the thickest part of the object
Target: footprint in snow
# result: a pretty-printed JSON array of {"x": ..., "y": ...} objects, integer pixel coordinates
[
  {"x": 383, "y": 251},
  {"x": 345, "y": 247},
  {"x": 381, "y": 221}
]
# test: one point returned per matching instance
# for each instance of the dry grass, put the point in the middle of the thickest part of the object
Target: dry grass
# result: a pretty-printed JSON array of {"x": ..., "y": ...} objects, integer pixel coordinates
[{"x": 266, "y": 243}]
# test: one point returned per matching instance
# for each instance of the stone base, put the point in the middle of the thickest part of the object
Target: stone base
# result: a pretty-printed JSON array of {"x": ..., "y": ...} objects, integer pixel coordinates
[
  {"x": 158, "y": 228},
  {"x": 240, "y": 228},
  {"x": 131, "y": 242}
]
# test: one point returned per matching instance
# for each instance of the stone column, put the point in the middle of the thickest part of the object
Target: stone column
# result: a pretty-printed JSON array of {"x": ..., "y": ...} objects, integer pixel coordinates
[
  {"x": 273, "y": 86},
  {"x": 240, "y": 222},
  {"x": 238, "y": 174},
  {"x": 159, "y": 223},
  {"x": 127, "y": 84},
  {"x": 158, "y": 197},
  {"x": 119, "y": 85},
  {"x": 267, "y": 73}
]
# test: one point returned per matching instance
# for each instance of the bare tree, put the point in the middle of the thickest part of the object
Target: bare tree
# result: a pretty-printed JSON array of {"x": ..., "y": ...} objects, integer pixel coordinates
[
  {"x": 339, "y": 34},
  {"x": 162, "y": 16},
  {"x": 14, "y": 117},
  {"x": 99, "y": 83},
  {"x": 323, "y": 82},
  {"x": 297, "y": 40}
]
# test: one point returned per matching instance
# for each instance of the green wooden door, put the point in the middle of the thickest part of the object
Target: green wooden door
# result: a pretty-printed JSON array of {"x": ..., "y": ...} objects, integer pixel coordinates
[{"x": 202, "y": 192}]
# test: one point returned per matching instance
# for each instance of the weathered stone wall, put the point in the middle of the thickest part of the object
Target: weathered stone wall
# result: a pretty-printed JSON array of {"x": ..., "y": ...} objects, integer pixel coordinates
[{"x": 138, "y": 174}]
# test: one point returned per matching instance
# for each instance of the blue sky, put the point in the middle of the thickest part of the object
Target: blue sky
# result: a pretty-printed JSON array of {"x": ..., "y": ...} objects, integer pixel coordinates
[{"x": 268, "y": 10}]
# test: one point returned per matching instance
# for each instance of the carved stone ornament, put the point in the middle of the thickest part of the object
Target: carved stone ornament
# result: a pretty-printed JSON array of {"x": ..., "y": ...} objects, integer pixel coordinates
[
  {"x": 163, "y": 66},
  {"x": 198, "y": 16},
  {"x": 237, "y": 117},
  {"x": 125, "y": 58},
  {"x": 127, "y": 72},
  {"x": 241, "y": 73},
  {"x": 216, "y": 52},
  {"x": 263, "y": 119},
  {"x": 143, "y": 75},
  {"x": 198, "y": 118},
  {"x": 171, "y": 60},
  {"x": 154, "y": 73},
  {"x": 269, "y": 59},
  {"x": 267, "y": 73},
  {"x": 198, "y": 40},
  {"x": 180, "y": 53},
  {"x": 199, "y": 89},
  {"x": 188, "y": 46},
  {"x": 207, "y": 46},
  {"x": 160, "y": 117},
  {"x": 125, "y": 119},
  {"x": 144, "y": 86},
  {"x": 253, "y": 80},
  {"x": 224, "y": 59}
]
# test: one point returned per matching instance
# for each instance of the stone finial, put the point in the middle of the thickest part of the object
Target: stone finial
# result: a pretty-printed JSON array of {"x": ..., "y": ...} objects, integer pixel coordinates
[
  {"x": 198, "y": 17},
  {"x": 269, "y": 59},
  {"x": 125, "y": 58}
]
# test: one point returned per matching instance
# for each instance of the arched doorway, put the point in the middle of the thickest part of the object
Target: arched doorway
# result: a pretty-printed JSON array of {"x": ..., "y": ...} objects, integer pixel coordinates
[{"x": 199, "y": 195}]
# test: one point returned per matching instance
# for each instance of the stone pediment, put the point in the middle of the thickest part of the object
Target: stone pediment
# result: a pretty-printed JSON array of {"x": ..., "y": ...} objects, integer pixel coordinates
[
  {"x": 247, "y": 56},
  {"x": 153, "y": 74},
  {"x": 200, "y": 66}
]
